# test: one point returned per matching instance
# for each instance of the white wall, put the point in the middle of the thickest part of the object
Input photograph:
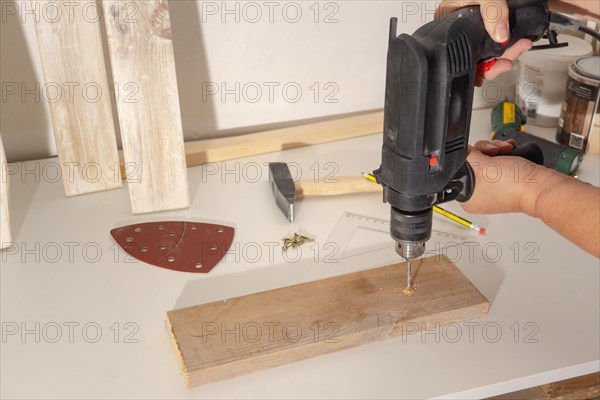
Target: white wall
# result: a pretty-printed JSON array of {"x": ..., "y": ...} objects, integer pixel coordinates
[{"x": 338, "y": 46}]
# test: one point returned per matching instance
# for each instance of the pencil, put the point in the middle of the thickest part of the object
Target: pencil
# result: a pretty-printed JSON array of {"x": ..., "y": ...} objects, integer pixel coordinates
[
  {"x": 445, "y": 213},
  {"x": 458, "y": 219}
]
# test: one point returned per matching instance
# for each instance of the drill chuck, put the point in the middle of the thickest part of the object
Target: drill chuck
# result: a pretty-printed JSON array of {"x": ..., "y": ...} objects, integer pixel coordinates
[
  {"x": 410, "y": 250},
  {"x": 411, "y": 230}
]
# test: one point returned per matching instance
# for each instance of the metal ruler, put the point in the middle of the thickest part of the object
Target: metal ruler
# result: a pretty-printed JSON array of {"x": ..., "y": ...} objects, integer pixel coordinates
[{"x": 357, "y": 235}]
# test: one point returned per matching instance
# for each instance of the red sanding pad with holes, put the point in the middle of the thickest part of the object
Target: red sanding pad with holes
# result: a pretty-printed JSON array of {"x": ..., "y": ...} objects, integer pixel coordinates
[{"x": 179, "y": 246}]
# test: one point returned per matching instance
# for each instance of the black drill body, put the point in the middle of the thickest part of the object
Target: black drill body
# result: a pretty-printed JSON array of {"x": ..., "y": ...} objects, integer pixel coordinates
[{"x": 428, "y": 100}]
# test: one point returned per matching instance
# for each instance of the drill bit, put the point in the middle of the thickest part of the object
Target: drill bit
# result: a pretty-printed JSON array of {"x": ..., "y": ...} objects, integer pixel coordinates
[
  {"x": 409, "y": 251},
  {"x": 408, "y": 275},
  {"x": 409, "y": 290}
]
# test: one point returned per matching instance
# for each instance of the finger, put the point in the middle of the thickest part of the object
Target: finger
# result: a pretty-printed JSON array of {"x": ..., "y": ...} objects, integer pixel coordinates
[
  {"x": 495, "y": 147},
  {"x": 501, "y": 143},
  {"x": 499, "y": 68},
  {"x": 517, "y": 49},
  {"x": 487, "y": 148},
  {"x": 504, "y": 147},
  {"x": 495, "y": 19},
  {"x": 504, "y": 64},
  {"x": 480, "y": 144}
]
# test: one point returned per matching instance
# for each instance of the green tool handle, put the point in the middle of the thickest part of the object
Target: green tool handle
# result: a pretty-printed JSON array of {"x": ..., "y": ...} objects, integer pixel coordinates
[
  {"x": 529, "y": 151},
  {"x": 508, "y": 123}
]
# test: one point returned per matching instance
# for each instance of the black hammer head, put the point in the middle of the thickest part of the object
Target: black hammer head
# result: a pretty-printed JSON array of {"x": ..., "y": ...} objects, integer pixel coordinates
[{"x": 284, "y": 189}]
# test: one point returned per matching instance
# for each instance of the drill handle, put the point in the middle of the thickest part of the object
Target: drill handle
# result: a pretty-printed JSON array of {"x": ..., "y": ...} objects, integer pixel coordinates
[{"x": 528, "y": 19}]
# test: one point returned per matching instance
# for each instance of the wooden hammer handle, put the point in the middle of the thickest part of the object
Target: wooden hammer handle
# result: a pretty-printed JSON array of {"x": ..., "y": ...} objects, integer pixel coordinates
[{"x": 336, "y": 186}]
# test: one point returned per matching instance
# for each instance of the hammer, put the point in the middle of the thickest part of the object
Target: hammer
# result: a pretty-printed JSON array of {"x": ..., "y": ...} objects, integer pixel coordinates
[{"x": 286, "y": 191}]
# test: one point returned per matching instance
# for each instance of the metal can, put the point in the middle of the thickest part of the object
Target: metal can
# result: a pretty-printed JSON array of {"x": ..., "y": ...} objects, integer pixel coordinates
[
  {"x": 579, "y": 122},
  {"x": 540, "y": 87}
]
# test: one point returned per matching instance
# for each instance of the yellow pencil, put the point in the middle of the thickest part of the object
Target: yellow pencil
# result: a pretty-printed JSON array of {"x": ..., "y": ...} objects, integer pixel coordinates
[
  {"x": 458, "y": 219},
  {"x": 444, "y": 212}
]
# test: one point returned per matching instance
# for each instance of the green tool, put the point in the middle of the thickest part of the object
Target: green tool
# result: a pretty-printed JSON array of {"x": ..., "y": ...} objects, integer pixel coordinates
[{"x": 508, "y": 122}]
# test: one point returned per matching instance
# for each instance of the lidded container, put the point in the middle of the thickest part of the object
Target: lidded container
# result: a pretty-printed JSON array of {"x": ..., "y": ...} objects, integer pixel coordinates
[
  {"x": 542, "y": 76},
  {"x": 579, "y": 124}
]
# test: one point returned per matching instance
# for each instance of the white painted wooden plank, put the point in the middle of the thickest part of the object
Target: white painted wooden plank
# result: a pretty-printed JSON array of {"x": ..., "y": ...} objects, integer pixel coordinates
[
  {"x": 141, "y": 53},
  {"x": 5, "y": 236},
  {"x": 77, "y": 92}
]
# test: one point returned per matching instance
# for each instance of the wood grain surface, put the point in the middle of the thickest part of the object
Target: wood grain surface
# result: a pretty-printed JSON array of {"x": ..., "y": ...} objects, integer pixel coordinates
[
  {"x": 5, "y": 236},
  {"x": 336, "y": 186},
  {"x": 237, "y": 336},
  {"x": 77, "y": 92},
  {"x": 578, "y": 388},
  {"x": 251, "y": 144},
  {"x": 581, "y": 387},
  {"x": 228, "y": 148},
  {"x": 141, "y": 53}
]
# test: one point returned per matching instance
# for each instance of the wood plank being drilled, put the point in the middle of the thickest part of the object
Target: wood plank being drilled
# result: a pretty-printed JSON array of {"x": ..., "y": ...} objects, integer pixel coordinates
[
  {"x": 77, "y": 92},
  {"x": 141, "y": 53},
  {"x": 227, "y": 338},
  {"x": 5, "y": 236}
]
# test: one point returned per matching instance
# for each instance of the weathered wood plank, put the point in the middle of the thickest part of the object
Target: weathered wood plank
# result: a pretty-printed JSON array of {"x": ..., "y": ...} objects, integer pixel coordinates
[
  {"x": 5, "y": 236},
  {"x": 141, "y": 53},
  {"x": 227, "y": 338},
  {"x": 77, "y": 92}
]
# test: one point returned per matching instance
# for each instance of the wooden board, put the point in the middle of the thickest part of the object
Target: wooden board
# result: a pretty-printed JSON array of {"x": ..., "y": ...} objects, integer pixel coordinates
[
  {"x": 141, "y": 53},
  {"x": 534, "y": 393},
  {"x": 77, "y": 93},
  {"x": 237, "y": 336},
  {"x": 581, "y": 387},
  {"x": 252, "y": 144},
  {"x": 5, "y": 236},
  {"x": 228, "y": 148}
]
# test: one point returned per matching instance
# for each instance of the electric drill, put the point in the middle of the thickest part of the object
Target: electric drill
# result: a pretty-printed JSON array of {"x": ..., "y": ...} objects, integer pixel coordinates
[
  {"x": 508, "y": 122},
  {"x": 428, "y": 100}
]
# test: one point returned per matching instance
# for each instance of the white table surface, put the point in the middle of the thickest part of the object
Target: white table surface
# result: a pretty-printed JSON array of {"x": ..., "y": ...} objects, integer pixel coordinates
[{"x": 64, "y": 282}]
